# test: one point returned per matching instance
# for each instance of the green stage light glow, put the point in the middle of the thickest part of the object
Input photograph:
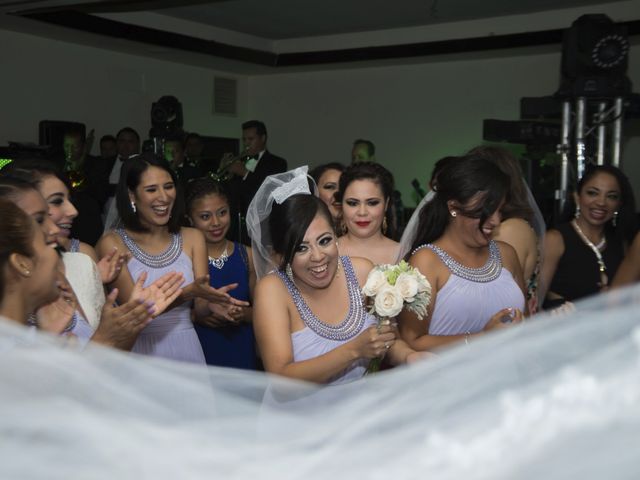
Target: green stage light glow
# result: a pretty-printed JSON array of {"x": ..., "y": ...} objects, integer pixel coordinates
[{"x": 4, "y": 162}]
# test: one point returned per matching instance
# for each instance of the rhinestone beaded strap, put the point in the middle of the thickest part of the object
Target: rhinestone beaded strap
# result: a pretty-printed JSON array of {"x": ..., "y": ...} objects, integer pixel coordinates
[
  {"x": 350, "y": 326},
  {"x": 487, "y": 273},
  {"x": 75, "y": 245},
  {"x": 162, "y": 260}
]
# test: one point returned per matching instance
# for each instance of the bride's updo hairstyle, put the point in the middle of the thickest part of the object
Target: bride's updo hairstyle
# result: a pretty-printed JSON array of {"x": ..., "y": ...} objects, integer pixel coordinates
[
  {"x": 289, "y": 221},
  {"x": 460, "y": 180}
]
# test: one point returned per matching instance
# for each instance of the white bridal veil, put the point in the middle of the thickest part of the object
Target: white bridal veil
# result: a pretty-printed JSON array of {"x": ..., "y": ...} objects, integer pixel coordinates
[{"x": 556, "y": 398}]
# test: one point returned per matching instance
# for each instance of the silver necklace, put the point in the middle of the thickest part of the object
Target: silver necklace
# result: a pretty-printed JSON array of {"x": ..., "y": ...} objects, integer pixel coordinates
[
  {"x": 222, "y": 259},
  {"x": 604, "y": 280}
]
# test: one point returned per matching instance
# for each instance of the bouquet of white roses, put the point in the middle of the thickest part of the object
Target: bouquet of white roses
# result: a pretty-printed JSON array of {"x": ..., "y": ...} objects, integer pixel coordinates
[{"x": 392, "y": 288}]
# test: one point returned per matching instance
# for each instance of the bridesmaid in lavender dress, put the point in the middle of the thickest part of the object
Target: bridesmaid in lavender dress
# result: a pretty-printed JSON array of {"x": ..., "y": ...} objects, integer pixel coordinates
[
  {"x": 150, "y": 213},
  {"x": 476, "y": 282},
  {"x": 309, "y": 319}
]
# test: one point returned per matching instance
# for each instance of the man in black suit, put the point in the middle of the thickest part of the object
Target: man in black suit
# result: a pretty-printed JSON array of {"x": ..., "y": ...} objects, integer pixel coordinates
[
  {"x": 174, "y": 153},
  {"x": 254, "y": 165},
  {"x": 103, "y": 173}
]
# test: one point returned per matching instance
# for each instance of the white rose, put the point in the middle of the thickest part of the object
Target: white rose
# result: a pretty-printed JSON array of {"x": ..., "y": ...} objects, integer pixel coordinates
[
  {"x": 423, "y": 283},
  {"x": 375, "y": 281},
  {"x": 407, "y": 286},
  {"x": 388, "y": 302}
]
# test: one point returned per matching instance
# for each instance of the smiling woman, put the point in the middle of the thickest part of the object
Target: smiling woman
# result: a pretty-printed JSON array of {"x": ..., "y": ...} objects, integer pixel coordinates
[
  {"x": 27, "y": 262},
  {"x": 368, "y": 220},
  {"x": 476, "y": 282},
  {"x": 151, "y": 212},
  {"x": 309, "y": 316},
  {"x": 583, "y": 254}
]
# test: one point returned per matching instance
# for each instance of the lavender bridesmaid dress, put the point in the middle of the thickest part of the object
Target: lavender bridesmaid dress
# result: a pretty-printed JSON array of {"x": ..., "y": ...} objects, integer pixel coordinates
[
  {"x": 472, "y": 296},
  {"x": 171, "y": 334},
  {"x": 318, "y": 338}
]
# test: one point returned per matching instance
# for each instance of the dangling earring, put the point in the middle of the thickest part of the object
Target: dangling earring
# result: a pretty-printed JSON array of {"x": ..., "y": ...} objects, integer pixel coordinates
[
  {"x": 289, "y": 272},
  {"x": 615, "y": 219},
  {"x": 577, "y": 215},
  {"x": 343, "y": 228},
  {"x": 133, "y": 207},
  {"x": 454, "y": 214},
  {"x": 384, "y": 225}
]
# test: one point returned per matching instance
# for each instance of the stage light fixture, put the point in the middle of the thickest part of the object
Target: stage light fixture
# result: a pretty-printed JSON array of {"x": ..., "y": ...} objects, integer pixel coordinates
[{"x": 610, "y": 51}]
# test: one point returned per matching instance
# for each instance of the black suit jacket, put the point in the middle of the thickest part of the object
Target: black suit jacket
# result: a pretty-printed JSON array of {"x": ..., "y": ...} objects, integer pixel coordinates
[
  {"x": 245, "y": 190},
  {"x": 241, "y": 192},
  {"x": 97, "y": 173}
]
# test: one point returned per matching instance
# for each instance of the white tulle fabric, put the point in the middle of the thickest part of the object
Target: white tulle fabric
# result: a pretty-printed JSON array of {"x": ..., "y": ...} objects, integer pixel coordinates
[
  {"x": 556, "y": 398},
  {"x": 411, "y": 230},
  {"x": 275, "y": 188},
  {"x": 83, "y": 276}
]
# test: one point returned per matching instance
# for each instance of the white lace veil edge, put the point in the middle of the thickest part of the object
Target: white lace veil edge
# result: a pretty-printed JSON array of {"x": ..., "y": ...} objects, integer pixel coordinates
[
  {"x": 540, "y": 228},
  {"x": 275, "y": 188},
  {"x": 410, "y": 231},
  {"x": 537, "y": 391}
]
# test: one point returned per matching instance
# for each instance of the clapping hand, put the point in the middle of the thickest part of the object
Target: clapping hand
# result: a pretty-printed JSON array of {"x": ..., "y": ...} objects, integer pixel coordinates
[
  {"x": 56, "y": 316},
  {"x": 120, "y": 325},
  {"x": 111, "y": 264},
  {"x": 161, "y": 293},
  {"x": 200, "y": 288},
  {"x": 222, "y": 315}
]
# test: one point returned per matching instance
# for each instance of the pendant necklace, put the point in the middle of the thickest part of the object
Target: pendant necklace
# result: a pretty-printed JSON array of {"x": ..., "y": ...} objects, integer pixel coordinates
[
  {"x": 604, "y": 280},
  {"x": 222, "y": 259}
]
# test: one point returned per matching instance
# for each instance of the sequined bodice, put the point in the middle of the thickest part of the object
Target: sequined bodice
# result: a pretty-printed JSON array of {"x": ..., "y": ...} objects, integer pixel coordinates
[
  {"x": 161, "y": 260},
  {"x": 74, "y": 245},
  {"x": 487, "y": 273},
  {"x": 350, "y": 326}
]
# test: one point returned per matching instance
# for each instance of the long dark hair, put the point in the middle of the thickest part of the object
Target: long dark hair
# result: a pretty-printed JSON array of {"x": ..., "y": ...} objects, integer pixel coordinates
[
  {"x": 288, "y": 222},
  {"x": 518, "y": 204},
  {"x": 460, "y": 180},
  {"x": 379, "y": 175},
  {"x": 17, "y": 236},
  {"x": 130, "y": 177},
  {"x": 35, "y": 170},
  {"x": 13, "y": 186},
  {"x": 318, "y": 171},
  {"x": 626, "y": 223}
]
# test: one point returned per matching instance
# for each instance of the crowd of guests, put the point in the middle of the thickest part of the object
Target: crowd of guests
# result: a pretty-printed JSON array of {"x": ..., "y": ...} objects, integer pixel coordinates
[{"x": 139, "y": 252}]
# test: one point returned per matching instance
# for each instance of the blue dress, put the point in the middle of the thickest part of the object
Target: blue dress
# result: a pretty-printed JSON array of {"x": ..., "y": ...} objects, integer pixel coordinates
[{"x": 232, "y": 345}]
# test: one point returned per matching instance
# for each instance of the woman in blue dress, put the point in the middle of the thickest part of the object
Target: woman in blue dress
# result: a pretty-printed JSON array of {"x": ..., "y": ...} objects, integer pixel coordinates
[{"x": 227, "y": 337}]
